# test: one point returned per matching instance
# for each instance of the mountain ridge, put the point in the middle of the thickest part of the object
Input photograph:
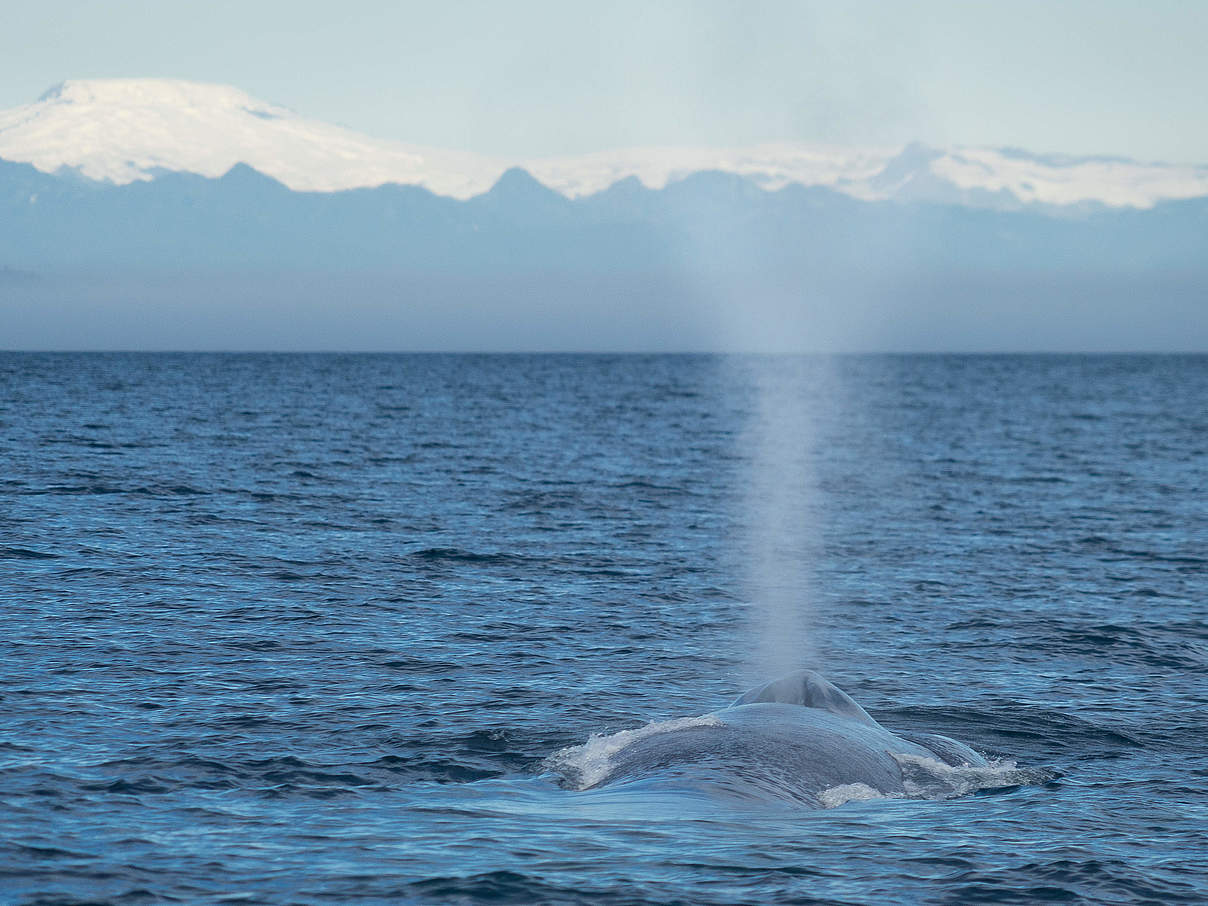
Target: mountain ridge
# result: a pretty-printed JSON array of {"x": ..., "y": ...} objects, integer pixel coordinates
[
  {"x": 712, "y": 261},
  {"x": 126, "y": 130}
]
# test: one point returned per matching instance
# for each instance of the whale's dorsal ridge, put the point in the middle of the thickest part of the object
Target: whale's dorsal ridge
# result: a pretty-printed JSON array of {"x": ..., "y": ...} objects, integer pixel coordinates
[{"x": 809, "y": 689}]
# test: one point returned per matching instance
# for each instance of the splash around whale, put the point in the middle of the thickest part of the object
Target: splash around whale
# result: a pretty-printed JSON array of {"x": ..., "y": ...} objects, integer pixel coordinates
[{"x": 799, "y": 740}]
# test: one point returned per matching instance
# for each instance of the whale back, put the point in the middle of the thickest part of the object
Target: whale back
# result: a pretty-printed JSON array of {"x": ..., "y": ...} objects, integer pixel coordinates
[
  {"x": 810, "y": 690},
  {"x": 763, "y": 751},
  {"x": 799, "y": 739}
]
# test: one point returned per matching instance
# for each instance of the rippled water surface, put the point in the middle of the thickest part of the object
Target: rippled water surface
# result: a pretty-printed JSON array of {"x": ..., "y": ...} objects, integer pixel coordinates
[{"x": 283, "y": 629}]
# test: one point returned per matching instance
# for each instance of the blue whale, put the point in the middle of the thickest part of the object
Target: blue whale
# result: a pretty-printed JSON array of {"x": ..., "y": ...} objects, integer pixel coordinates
[{"x": 799, "y": 738}]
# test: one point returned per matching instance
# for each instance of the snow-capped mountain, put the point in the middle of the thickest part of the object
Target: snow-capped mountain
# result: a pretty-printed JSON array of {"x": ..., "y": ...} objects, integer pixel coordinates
[
  {"x": 126, "y": 130},
  {"x": 123, "y": 130}
]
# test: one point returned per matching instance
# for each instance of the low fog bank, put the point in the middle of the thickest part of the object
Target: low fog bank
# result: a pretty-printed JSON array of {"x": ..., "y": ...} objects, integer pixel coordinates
[
  {"x": 300, "y": 311},
  {"x": 710, "y": 263}
]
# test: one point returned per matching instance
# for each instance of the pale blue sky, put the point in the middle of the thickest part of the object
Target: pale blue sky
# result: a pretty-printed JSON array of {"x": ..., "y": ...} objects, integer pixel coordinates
[{"x": 533, "y": 78}]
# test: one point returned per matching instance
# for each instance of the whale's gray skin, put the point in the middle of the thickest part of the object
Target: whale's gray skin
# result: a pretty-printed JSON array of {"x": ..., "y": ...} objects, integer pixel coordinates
[{"x": 791, "y": 739}]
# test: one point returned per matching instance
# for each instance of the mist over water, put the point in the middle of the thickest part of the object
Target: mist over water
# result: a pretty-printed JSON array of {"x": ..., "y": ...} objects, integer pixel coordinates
[{"x": 780, "y": 519}]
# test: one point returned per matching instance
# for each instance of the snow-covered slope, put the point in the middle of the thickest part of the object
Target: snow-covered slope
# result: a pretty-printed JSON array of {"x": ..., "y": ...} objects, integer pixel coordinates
[
  {"x": 770, "y": 166},
  {"x": 121, "y": 130},
  {"x": 1007, "y": 177}
]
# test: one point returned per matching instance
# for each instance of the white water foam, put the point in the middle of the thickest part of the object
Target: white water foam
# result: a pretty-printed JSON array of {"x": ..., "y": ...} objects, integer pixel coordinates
[
  {"x": 928, "y": 778},
  {"x": 584, "y": 766},
  {"x": 849, "y": 792}
]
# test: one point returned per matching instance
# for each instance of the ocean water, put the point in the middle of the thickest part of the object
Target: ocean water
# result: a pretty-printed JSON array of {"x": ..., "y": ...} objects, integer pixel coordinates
[{"x": 303, "y": 629}]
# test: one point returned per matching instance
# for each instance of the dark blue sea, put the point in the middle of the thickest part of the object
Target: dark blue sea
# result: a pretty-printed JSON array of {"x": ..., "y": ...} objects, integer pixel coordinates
[{"x": 305, "y": 629}]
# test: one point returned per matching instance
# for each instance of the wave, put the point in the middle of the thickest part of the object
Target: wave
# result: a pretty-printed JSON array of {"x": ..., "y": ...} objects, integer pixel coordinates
[
  {"x": 583, "y": 766},
  {"x": 458, "y": 555},
  {"x": 24, "y": 553}
]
